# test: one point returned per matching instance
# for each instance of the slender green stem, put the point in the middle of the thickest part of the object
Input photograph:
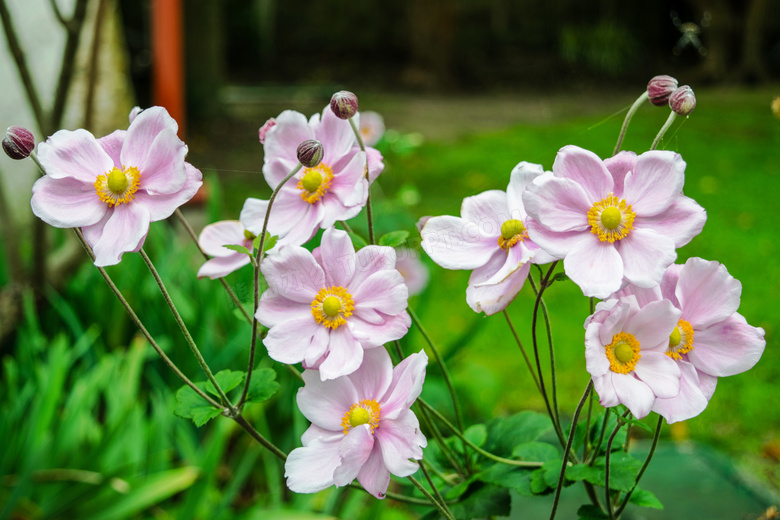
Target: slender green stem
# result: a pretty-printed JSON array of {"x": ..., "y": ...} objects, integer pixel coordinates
[
  {"x": 522, "y": 349},
  {"x": 346, "y": 227},
  {"x": 259, "y": 438},
  {"x": 142, "y": 328},
  {"x": 445, "y": 449},
  {"x": 569, "y": 443},
  {"x": 607, "y": 494},
  {"x": 486, "y": 454},
  {"x": 641, "y": 99},
  {"x": 395, "y": 496},
  {"x": 368, "y": 199},
  {"x": 441, "y": 507},
  {"x": 194, "y": 237},
  {"x": 433, "y": 486},
  {"x": 256, "y": 285},
  {"x": 185, "y": 332},
  {"x": 601, "y": 438},
  {"x": 667, "y": 124},
  {"x": 586, "y": 444},
  {"x": 656, "y": 436}
]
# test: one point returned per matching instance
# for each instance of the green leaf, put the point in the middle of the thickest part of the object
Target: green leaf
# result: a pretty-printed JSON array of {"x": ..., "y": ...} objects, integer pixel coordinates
[
  {"x": 536, "y": 451},
  {"x": 623, "y": 469},
  {"x": 552, "y": 472},
  {"x": 270, "y": 241},
  {"x": 238, "y": 248},
  {"x": 484, "y": 502},
  {"x": 644, "y": 498},
  {"x": 560, "y": 277},
  {"x": 636, "y": 422},
  {"x": 590, "y": 512},
  {"x": 538, "y": 485},
  {"x": 394, "y": 238},
  {"x": 262, "y": 386},
  {"x": 515, "y": 478},
  {"x": 585, "y": 472},
  {"x": 357, "y": 240},
  {"x": 190, "y": 405},
  {"x": 477, "y": 434},
  {"x": 506, "y": 433},
  {"x": 227, "y": 380}
]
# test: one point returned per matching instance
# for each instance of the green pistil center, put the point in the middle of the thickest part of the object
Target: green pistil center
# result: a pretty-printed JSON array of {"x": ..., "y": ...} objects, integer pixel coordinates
[
  {"x": 331, "y": 307},
  {"x": 117, "y": 181},
  {"x": 511, "y": 228},
  {"x": 623, "y": 352},
  {"x": 611, "y": 217},
  {"x": 312, "y": 180},
  {"x": 675, "y": 337},
  {"x": 358, "y": 416}
]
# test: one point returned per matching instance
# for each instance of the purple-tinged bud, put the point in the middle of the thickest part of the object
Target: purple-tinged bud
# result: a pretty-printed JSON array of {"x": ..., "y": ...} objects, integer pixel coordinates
[
  {"x": 18, "y": 142},
  {"x": 264, "y": 130},
  {"x": 682, "y": 101},
  {"x": 660, "y": 88},
  {"x": 344, "y": 104},
  {"x": 310, "y": 153}
]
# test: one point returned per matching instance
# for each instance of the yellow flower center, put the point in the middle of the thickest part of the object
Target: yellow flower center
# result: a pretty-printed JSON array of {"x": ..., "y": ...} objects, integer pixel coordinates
[
  {"x": 365, "y": 412},
  {"x": 332, "y": 306},
  {"x": 680, "y": 340},
  {"x": 118, "y": 186},
  {"x": 623, "y": 353},
  {"x": 314, "y": 182},
  {"x": 611, "y": 219},
  {"x": 512, "y": 232}
]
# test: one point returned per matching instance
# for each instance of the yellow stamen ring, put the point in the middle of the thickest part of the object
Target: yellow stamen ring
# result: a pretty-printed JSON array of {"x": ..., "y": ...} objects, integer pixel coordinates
[
  {"x": 332, "y": 306},
  {"x": 680, "y": 340},
  {"x": 118, "y": 186},
  {"x": 623, "y": 353},
  {"x": 611, "y": 219},
  {"x": 512, "y": 232},
  {"x": 365, "y": 412},
  {"x": 314, "y": 182}
]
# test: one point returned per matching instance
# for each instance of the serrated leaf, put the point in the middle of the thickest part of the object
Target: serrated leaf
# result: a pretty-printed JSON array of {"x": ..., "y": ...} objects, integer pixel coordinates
[
  {"x": 190, "y": 405},
  {"x": 585, "y": 472},
  {"x": 238, "y": 249},
  {"x": 507, "y": 432},
  {"x": 270, "y": 242},
  {"x": 623, "y": 469},
  {"x": 394, "y": 238},
  {"x": 227, "y": 380},
  {"x": 560, "y": 277},
  {"x": 536, "y": 451},
  {"x": 644, "y": 498},
  {"x": 262, "y": 386},
  {"x": 552, "y": 472},
  {"x": 357, "y": 240},
  {"x": 515, "y": 478},
  {"x": 590, "y": 512}
]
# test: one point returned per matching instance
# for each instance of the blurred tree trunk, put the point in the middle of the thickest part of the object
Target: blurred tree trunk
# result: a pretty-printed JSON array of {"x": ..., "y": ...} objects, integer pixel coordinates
[
  {"x": 431, "y": 38},
  {"x": 752, "y": 67}
]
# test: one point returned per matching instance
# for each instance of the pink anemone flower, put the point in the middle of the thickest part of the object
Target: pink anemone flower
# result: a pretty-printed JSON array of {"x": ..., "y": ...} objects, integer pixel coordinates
[
  {"x": 491, "y": 238},
  {"x": 113, "y": 187},
  {"x": 615, "y": 221},
  {"x": 372, "y": 127},
  {"x": 324, "y": 308},
  {"x": 317, "y": 197},
  {"x": 625, "y": 350},
  {"x": 361, "y": 428},
  {"x": 212, "y": 241},
  {"x": 711, "y": 338}
]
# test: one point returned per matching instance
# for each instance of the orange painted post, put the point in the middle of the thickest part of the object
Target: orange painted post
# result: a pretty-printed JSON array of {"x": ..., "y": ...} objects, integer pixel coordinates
[{"x": 168, "y": 59}]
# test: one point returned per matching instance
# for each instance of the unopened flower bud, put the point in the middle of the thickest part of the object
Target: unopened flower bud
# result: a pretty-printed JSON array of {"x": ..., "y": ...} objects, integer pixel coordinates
[
  {"x": 264, "y": 130},
  {"x": 682, "y": 101},
  {"x": 344, "y": 104},
  {"x": 660, "y": 88},
  {"x": 310, "y": 153},
  {"x": 18, "y": 142}
]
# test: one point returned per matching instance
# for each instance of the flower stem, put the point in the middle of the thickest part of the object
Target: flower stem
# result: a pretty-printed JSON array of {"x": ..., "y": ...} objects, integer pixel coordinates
[
  {"x": 667, "y": 124},
  {"x": 141, "y": 326},
  {"x": 656, "y": 436},
  {"x": 522, "y": 350},
  {"x": 607, "y": 494},
  {"x": 368, "y": 199},
  {"x": 445, "y": 449},
  {"x": 569, "y": 443},
  {"x": 259, "y": 438},
  {"x": 185, "y": 332},
  {"x": 631, "y": 111},
  {"x": 439, "y": 498},
  {"x": 441, "y": 507}
]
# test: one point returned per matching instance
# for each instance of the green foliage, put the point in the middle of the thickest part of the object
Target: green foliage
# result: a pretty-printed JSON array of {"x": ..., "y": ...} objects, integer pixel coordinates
[{"x": 394, "y": 238}]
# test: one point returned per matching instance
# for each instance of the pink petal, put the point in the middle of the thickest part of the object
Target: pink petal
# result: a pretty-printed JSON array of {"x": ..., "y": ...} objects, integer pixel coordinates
[
  {"x": 522, "y": 175},
  {"x": 669, "y": 284},
  {"x": 514, "y": 260},
  {"x": 281, "y": 142},
  {"x": 657, "y": 179},
  {"x": 604, "y": 389},
  {"x": 728, "y": 347},
  {"x": 596, "y": 362},
  {"x": 275, "y": 309},
  {"x": 344, "y": 354},
  {"x": 354, "y": 450},
  {"x": 222, "y": 266},
  {"x": 633, "y": 393},
  {"x": 487, "y": 211},
  {"x": 682, "y": 221},
  {"x": 408, "y": 378},
  {"x": 660, "y": 373},
  {"x": 595, "y": 266},
  {"x": 324, "y": 403},
  {"x": 294, "y": 274},
  {"x": 707, "y": 292},
  {"x": 308, "y": 219},
  {"x": 374, "y": 475},
  {"x": 456, "y": 243},
  {"x": 336, "y": 134},
  {"x": 618, "y": 167},
  {"x": 373, "y": 378},
  {"x": 315, "y": 432},
  {"x": 646, "y": 255},
  {"x": 389, "y": 329},
  {"x": 93, "y": 232},
  {"x": 310, "y": 469},
  {"x": 67, "y": 202},
  {"x": 383, "y": 292},
  {"x": 349, "y": 185},
  {"x": 558, "y": 204},
  {"x": 400, "y": 439},
  {"x": 555, "y": 244},
  {"x": 123, "y": 232},
  {"x": 371, "y": 259},
  {"x": 584, "y": 168},
  {"x": 338, "y": 257},
  {"x": 494, "y": 298},
  {"x": 643, "y": 296},
  {"x": 75, "y": 154},
  {"x": 615, "y": 321},
  {"x": 112, "y": 144},
  {"x": 161, "y": 162},
  {"x": 214, "y": 237},
  {"x": 288, "y": 341},
  {"x": 162, "y": 206},
  {"x": 375, "y": 163},
  {"x": 689, "y": 403},
  {"x": 653, "y": 324}
]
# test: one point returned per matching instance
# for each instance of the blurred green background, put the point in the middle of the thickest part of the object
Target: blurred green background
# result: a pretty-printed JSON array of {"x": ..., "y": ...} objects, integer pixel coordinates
[{"x": 468, "y": 89}]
